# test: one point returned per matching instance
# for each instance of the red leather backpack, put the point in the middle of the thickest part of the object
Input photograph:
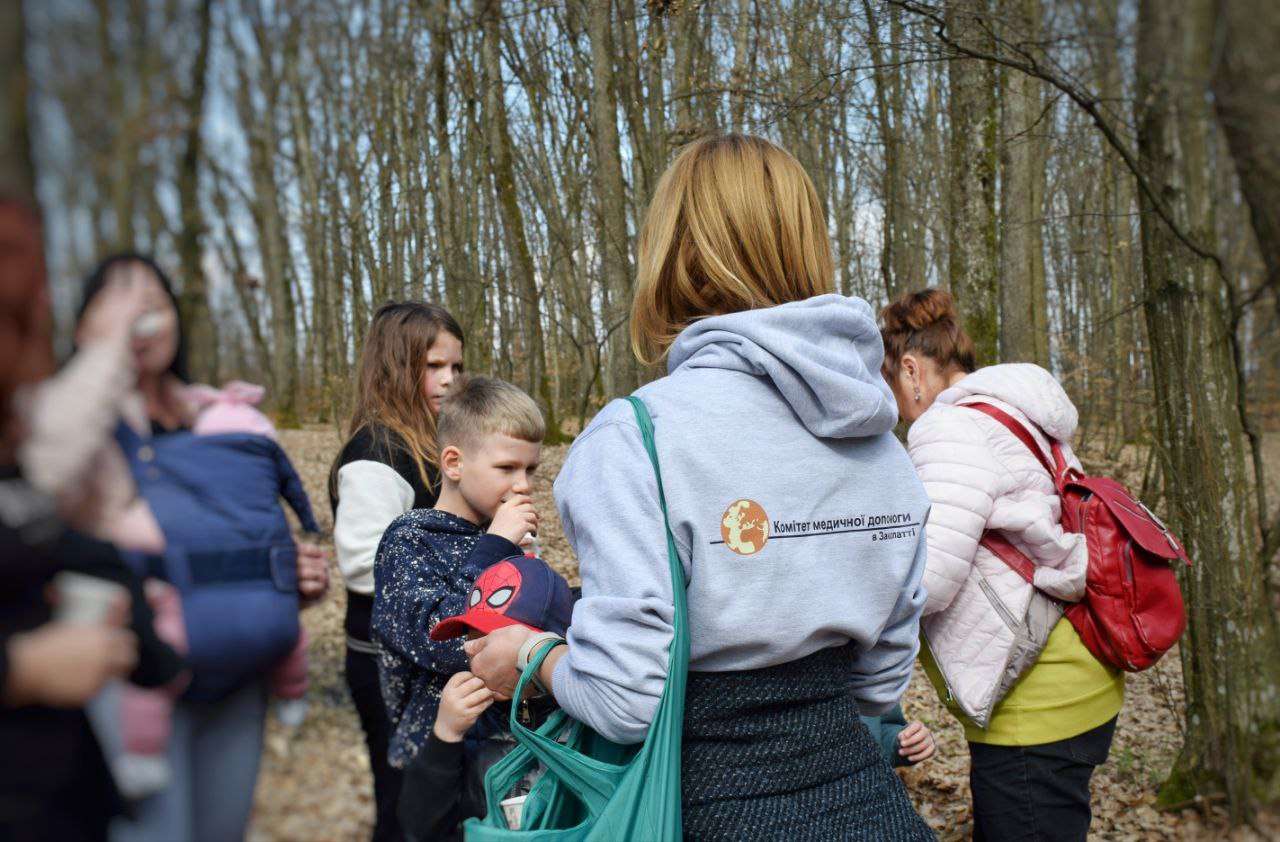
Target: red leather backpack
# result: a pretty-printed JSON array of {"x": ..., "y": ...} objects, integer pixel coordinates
[{"x": 1132, "y": 611}]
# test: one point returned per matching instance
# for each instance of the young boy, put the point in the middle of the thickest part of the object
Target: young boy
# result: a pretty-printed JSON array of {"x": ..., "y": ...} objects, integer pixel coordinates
[
  {"x": 443, "y": 785},
  {"x": 490, "y": 438}
]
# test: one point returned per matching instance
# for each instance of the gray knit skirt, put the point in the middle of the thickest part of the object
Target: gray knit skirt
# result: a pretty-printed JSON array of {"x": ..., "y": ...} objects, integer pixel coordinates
[{"x": 780, "y": 754}]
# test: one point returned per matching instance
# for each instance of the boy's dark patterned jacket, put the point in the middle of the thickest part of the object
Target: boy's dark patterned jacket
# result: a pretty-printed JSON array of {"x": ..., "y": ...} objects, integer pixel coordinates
[{"x": 423, "y": 572}]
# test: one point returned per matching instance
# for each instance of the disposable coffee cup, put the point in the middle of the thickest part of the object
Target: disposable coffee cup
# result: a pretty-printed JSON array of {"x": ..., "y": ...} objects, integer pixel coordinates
[
  {"x": 148, "y": 324},
  {"x": 512, "y": 808},
  {"x": 85, "y": 600}
]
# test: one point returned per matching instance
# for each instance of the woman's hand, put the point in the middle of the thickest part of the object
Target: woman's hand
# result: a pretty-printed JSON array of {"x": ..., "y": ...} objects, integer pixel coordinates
[
  {"x": 462, "y": 701},
  {"x": 493, "y": 658},
  {"x": 313, "y": 571},
  {"x": 113, "y": 312},
  {"x": 915, "y": 742}
]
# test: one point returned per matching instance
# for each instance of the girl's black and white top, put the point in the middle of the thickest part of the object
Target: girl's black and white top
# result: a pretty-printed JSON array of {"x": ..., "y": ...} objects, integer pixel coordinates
[{"x": 378, "y": 481}]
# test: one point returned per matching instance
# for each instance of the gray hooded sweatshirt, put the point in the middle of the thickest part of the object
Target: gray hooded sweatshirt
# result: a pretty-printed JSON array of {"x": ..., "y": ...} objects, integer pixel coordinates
[{"x": 796, "y": 512}]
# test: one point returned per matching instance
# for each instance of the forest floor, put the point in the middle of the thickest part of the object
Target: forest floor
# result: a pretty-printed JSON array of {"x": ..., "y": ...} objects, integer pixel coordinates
[{"x": 315, "y": 782}]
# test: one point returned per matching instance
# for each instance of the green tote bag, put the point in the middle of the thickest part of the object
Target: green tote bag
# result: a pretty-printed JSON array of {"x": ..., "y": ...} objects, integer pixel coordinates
[{"x": 594, "y": 789}]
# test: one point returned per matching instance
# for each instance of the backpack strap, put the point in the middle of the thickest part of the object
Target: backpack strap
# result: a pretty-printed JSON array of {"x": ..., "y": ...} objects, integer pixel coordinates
[
  {"x": 995, "y": 542},
  {"x": 1056, "y": 472},
  {"x": 1015, "y": 559}
]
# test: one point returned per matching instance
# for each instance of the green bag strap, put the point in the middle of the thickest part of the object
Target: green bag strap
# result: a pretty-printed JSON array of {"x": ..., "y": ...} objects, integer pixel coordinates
[
  {"x": 645, "y": 422},
  {"x": 593, "y": 780}
]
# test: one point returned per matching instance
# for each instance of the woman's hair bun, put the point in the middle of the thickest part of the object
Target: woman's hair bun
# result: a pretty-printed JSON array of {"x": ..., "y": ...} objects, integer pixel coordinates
[
  {"x": 915, "y": 311},
  {"x": 925, "y": 322}
]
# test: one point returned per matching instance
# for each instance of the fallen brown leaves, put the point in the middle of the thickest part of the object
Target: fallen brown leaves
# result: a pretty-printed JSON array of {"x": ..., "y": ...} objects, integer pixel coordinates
[{"x": 315, "y": 783}]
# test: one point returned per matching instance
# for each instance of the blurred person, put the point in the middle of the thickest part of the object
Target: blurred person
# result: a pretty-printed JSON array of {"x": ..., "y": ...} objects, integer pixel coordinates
[
  {"x": 54, "y": 784},
  {"x": 146, "y": 715},
  {"x": 388, "y": 465},
  {"x": 216, "y": 743}
]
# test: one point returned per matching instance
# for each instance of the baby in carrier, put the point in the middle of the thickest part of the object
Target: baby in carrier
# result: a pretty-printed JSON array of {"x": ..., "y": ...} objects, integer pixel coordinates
[{"x": 146, "y": 715}]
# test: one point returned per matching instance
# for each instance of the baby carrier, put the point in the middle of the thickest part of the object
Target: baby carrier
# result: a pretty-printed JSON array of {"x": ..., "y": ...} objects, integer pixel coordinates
[{"x": 229, "y": 549}]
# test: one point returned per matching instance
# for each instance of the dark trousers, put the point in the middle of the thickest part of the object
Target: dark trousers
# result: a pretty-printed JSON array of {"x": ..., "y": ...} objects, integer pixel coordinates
[
  {"x": 362, "y": 679},
  {"x": 1036, "y": 793}
]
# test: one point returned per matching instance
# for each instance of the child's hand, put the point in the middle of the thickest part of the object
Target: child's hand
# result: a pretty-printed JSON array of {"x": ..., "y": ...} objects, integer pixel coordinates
[
  {"x": 462, "y": 701},
  {"x": 515, "y": 518},
  {"x": 915, "y": 742}
]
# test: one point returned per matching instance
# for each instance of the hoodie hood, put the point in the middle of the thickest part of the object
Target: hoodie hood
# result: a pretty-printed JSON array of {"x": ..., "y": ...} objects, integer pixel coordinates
[
  {"x": 823, "y": 355},
  {"x": 1028, "y": 388}
]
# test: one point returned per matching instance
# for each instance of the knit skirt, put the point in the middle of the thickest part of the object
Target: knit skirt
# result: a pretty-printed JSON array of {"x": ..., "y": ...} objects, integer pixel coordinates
[{"x": 780, "y": 754}]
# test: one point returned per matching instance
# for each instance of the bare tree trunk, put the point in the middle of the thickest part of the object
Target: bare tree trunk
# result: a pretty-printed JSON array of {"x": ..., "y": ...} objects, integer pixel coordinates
[
  {"x": 1023, "y": 328},
  {"x": 193, "y": 302},
  {"x": 896, "y": 260},
  {"x": 17, "y": 171},
  {"x": 517, "y": 242},
  {"x": 615, "y": 255},
  {"x": 1246, "y": 89},
  {"x": 972, "y": 183},
  {"x": 1231, "y": 674}
]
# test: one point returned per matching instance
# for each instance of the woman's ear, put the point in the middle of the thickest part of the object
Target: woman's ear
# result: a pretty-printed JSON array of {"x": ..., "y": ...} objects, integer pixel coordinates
[
  {"x": 910, "y": 368},
  {"x": 451, "y": 463}
]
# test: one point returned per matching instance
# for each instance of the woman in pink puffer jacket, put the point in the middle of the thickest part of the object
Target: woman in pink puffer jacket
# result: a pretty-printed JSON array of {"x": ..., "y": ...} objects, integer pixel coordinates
[{"x": 1038, "y": 709}]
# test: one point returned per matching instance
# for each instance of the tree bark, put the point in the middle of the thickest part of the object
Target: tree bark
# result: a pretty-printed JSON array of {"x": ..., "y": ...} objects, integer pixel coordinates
[
  {"x": 1023, "y": 325},
  {"x": 509, "y": 205},
  {"x": 972, "y": 182},
  {"x": 615, "y": 257},
  {"x": 1246, "y": 94},
  {"x": 1230, "y": 671},
  {"x": 17, "y": 171},
  {"x": 193, "y": 302},
  {"x": 896, "y": 260}
]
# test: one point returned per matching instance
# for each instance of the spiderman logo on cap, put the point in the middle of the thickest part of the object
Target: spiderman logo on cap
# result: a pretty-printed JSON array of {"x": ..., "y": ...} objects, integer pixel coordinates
[{"x": 496, "y": 588}]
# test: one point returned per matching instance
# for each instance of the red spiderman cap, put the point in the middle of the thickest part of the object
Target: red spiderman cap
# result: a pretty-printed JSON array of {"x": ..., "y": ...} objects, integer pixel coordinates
[{"x": 518, "y": 590}]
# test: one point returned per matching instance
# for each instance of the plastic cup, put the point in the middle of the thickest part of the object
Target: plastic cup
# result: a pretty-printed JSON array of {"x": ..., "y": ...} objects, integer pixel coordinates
[
  {"x": 512, "y": 808},
  {"x": 85, "y": 600}
]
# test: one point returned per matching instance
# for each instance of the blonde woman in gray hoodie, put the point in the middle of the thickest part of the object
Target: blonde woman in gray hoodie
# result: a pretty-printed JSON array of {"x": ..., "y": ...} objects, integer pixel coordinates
[{"x": 796, "y": 513}]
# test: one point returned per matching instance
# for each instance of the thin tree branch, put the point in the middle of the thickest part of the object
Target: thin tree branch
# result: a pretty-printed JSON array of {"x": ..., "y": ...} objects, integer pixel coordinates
[{"x": 1086, "y": 101}]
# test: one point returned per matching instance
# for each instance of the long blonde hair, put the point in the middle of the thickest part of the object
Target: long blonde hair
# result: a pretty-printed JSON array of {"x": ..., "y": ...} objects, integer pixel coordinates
[
  {"x": 734, "y": 224},
  {"x": 389, "y": 383}
]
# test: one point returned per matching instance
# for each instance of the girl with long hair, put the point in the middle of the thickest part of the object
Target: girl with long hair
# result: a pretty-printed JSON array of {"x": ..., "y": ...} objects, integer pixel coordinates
[{"x": 389, "y": 465}]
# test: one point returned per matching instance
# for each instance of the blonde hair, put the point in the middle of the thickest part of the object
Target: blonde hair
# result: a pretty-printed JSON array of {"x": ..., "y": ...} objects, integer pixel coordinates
[
  {"x": 734, "y": 224},
  {"x": 484, "y": 406}
]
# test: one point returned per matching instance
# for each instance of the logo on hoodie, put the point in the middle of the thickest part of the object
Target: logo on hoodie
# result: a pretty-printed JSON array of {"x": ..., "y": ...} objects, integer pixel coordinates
[{"x": 745, "y": 527}]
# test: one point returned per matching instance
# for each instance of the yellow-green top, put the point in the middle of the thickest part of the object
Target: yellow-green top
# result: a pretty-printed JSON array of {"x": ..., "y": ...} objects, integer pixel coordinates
[{"x": 1066, "y": 692}]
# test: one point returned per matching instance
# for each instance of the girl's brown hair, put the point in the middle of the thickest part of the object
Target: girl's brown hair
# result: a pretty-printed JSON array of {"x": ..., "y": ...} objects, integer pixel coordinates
[
  {"x": 925, "y": 323},
  {"x": 734, "y": 224},
  {"x": 389, "y": 383}
]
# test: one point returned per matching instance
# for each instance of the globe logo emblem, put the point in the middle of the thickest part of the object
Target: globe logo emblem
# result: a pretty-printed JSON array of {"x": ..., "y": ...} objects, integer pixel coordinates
[{"x": 745, "y": 527}]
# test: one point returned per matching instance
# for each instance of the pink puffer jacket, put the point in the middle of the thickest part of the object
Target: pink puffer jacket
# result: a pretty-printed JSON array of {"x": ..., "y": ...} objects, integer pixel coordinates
[{"x": 981, "y": 621}]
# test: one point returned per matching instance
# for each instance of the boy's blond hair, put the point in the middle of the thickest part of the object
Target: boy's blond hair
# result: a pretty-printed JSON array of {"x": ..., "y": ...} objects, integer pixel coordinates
[
  {"x": 481, "y": 406},
  {"x": 734, "y": 224}
]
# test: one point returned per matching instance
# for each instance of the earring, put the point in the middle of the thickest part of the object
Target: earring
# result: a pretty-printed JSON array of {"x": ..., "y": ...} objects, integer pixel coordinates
[{"x": 917, "y": 396}]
